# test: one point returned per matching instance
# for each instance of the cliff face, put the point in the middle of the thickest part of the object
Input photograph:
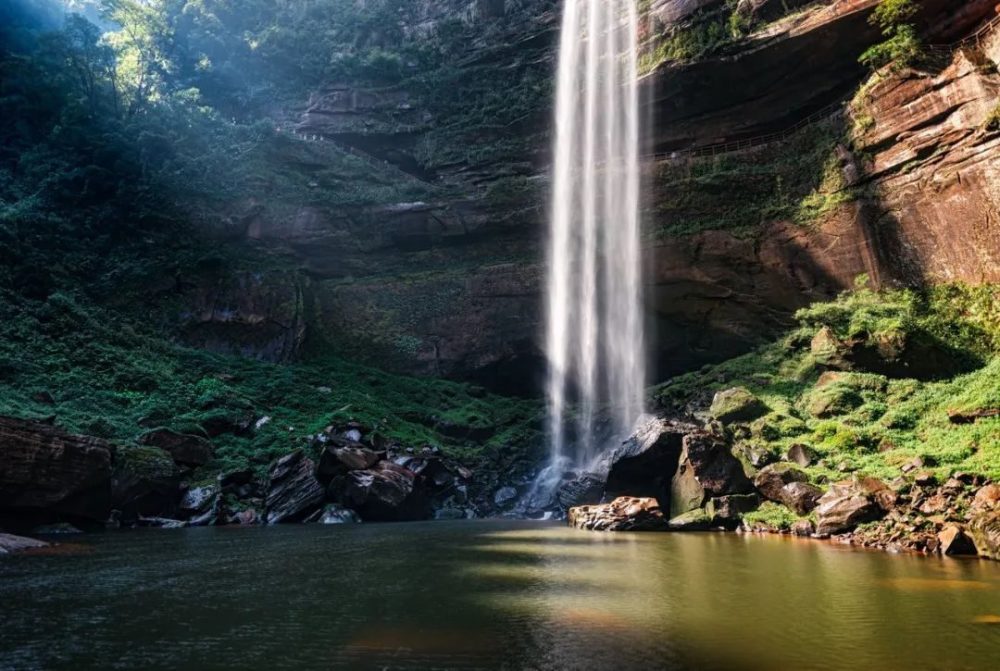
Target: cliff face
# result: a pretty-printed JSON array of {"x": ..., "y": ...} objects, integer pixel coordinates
[{"x": 449, "y": 283}]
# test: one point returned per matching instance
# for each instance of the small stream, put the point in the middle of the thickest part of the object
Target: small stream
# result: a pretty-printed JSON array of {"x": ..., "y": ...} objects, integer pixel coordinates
[{"x": 489, "y": 595}]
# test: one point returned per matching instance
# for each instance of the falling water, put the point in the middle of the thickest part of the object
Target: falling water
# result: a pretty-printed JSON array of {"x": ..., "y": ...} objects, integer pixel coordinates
[{"x": 594, "y": 340}]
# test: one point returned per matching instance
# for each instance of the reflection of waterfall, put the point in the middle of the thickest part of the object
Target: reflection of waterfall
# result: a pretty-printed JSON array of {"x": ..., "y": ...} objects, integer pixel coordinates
[{"x": 594, "y": 340}]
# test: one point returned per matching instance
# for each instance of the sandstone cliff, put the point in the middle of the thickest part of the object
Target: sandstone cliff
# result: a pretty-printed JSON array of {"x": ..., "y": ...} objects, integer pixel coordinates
[{"x": 448, "y": 283}]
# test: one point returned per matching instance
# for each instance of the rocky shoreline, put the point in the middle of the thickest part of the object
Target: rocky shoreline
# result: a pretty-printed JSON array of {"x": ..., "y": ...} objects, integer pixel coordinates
[
  {"x": 671, "y": 475},
  {"x": 709, "y": 485}
]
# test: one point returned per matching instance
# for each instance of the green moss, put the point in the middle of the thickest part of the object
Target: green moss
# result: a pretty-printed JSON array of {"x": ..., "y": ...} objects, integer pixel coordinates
[
  {"x": 772, "y": 515},
  {"x": 879, "y": 423},
  {"x": 797, "y": 179},
  {"x": 112, "y": 377}
]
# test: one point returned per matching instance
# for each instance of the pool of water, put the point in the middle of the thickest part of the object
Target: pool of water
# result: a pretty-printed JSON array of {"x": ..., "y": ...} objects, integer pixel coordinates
[{"x": 489, "y": 595}]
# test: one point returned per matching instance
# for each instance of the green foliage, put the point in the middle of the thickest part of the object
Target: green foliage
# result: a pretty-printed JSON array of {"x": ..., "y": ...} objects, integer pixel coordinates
[
  {"x": 902, "y": 46},
  {"x": 114, "y": 378},
  {"x": 797, "y": 180},
  {"x": 771, "y": 515},
  {"x": 878, "y": 424}
]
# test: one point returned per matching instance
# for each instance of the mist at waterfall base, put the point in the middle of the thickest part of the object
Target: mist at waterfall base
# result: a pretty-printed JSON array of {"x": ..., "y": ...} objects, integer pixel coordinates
[{"x": 594, "y": 338}]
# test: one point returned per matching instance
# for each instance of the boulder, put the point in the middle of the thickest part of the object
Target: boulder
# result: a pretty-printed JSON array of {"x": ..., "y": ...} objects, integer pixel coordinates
[
  {"x": 772, "y": 478},
  {"x": 832, "y": 400},
  {"x": 707, "y": 469},
  {"x": 803, "y": 455},
  {"x": 387, "y": 492},
  {"x": 727, "y": 511},
  {"x": 504, "y": 495},
  {"x": 586, "y": 489},
  {"x": 47, "y": 475},
  {"x": 955, "y": 542},
  {"x": 625, "y": 513},
  {"x": 335, "y": 514},
  {"x": 692, "y": 520},
  {"x": 987, "y": 498},
  {"x": 10, "y": 543},
  {"x": 803, "y": 528},
  {"x": 736, "y": 405},
  {"x": 293, "y": 491},
  {"x": 984, "y": 528},
  {"x": 197, "y": 500},
  {"x": 643, "y": 464},
  {"x": 184, "y": 449},
  {"x": 801, "y": 497},
  {"x": 338, "y": 460},
  {"x": 828, "y": 350},
  {"x": 146, "y": 483},
  {"x": 845, "y": 506}
]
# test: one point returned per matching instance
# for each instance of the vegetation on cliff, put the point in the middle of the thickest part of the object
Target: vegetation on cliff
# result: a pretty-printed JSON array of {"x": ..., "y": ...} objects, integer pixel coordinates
[
  {"x": 871, "y": 382},
  {"x": 96, "y": 372}
]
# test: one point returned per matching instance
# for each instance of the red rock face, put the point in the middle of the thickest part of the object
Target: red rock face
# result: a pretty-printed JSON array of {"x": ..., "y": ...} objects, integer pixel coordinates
[{"x": 46, "y": 473}]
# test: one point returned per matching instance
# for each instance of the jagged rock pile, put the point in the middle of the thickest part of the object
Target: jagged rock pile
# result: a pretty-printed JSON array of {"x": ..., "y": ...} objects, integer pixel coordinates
[
  {"x": 705, "y": 483},
  {"x": 50, "y": 476}
]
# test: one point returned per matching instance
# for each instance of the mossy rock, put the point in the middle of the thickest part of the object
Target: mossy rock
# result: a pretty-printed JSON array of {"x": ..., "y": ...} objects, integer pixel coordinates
[
  {"x": 737, "y": 404},
  {"x": 693, "y": 520},
  {"x": 776, "y": 426},
  {"x": 832, "y": 400}
]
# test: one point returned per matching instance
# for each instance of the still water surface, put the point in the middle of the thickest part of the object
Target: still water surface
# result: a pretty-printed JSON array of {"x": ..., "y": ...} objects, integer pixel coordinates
[{"x": 489, "y": 595}]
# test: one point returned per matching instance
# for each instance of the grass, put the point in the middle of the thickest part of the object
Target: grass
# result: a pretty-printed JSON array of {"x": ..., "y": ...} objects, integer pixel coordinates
[
  {"x": 111, "y": 377},
  {"x": 876, "y": 423}
]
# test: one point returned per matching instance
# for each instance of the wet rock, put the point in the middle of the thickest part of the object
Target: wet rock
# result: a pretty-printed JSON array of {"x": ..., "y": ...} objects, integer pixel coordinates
[
  {"x": 385, "y": 493},
  {"x": 707, "y": 469},
  {"x": 184, "y": 449},
  {"x": 954, "y": 541},
  {"x": 771, "y": 480},
  {"x": 293, "y": 492},
  {"x": 844, "y": 507},
  {"x": 197, "y": 500},
  {"x": 335, "y": 514},
  {"x": 449, "y": 514},
  {"x": 801, "y": 497},
  {"x": 727, "y": 511},
  {"x": 160, "y": 523},
  {"x": 10, "y": 543},
  {"x": 803, "y": 455},
  {"x": 48, "y": 475},
  {"x": 802, "y": 528},
  {"x": 693, "y": 520},
  {"x": 736, "y": 405},
  {"x": 625, "y": 513},
  {"x": 586, "y": 489},
  {"x": 504, "y": 496},
  {"x": 643, "y": 465}
]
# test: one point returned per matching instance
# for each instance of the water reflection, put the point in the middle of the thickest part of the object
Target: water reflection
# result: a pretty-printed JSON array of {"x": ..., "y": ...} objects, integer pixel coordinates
[{"x": 501, "y": 595}]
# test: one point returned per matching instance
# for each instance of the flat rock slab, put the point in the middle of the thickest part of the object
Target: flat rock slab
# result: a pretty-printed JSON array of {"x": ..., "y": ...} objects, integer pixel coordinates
[
  {"x": 626, "y": 513},
  {"x": 10, "y": 543}
]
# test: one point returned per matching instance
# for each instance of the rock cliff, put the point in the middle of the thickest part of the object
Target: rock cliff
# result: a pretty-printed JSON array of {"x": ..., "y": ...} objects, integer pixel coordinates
[{"x": 448, "y": 282}]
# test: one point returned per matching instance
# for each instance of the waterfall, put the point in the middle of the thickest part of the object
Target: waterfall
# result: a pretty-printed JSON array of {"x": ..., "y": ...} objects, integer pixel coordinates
[{"x": 594, "y": 339}]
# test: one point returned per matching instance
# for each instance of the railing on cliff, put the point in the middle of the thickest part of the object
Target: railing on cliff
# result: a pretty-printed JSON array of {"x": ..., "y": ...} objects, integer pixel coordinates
[{"x": 974, "y": 40}]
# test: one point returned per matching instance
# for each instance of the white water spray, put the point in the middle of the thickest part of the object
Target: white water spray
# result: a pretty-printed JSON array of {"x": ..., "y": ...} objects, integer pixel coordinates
[{"x": 594, "y": 334}]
